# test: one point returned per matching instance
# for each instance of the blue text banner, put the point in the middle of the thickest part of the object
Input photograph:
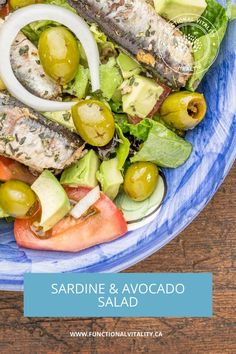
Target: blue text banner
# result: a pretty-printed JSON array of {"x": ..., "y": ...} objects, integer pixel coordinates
[{"x": 118, "y": 295}]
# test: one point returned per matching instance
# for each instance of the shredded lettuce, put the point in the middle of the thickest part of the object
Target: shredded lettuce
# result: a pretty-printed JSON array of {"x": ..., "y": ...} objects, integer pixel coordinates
[{"x": 164, "y": 148}]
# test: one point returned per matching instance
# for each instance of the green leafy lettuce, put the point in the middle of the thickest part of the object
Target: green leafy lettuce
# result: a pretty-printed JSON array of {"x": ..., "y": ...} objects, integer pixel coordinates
[
  {"x": 123, "y": 149},
  {"x": 163, "y": 147},
  {"x": 110, "y": 78},
  {"x": 79, "y": 86},
  {"x": 208, "y": 34},
  {"x": 139, "y": 131},
  {"x": 231, "y": 10},
  {"x": 62, "y": 3},
  {"x": 33, "y": 30}
]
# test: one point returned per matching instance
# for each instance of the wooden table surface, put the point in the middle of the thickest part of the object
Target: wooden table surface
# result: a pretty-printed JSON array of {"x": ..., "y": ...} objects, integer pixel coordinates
[{"x": 207, "y": 245}]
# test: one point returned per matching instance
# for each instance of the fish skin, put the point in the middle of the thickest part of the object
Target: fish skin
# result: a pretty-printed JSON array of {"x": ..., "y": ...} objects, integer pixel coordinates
[
  {"x": 2, "y": 3},
  {"x": 134, "y": 25},
  {"x": 28, "y": 70},
  {"x": 27, "y": 137}
]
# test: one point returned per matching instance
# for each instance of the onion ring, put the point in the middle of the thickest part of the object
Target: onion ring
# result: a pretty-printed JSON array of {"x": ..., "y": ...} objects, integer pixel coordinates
[{"x": 22, "y": 17}]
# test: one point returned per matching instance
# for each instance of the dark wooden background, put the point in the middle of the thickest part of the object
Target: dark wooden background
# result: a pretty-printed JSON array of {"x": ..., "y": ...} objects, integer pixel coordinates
[{"x": 208, "y": 244}]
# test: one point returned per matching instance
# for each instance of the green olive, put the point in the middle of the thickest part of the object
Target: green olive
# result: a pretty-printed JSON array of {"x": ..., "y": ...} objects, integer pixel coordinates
[
  {"x": 59, "y": 54},
  {"x": 94, "y": 122},
  {"x": 16, "y": 4},
  {"x": 184, "y": 110},
  {"x": 16, "y": 198},
  {"x": 140, "y": 180}
]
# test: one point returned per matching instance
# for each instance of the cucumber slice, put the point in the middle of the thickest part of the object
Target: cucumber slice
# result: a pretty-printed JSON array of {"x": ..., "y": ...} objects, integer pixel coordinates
[{"x": 135, "y": 212}]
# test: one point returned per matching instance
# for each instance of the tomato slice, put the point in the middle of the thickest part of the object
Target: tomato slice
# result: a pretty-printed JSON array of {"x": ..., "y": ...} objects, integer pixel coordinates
[
  {"x": 73, "y": 235},
  {"x": 10, "y": 169}
]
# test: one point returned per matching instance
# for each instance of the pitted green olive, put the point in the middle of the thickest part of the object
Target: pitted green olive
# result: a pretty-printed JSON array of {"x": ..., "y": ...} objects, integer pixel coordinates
[
  {"x": 94, "y": 122},
  {"x": 16, "y": 198},
  {"x": 184, "y": 110},
  {"x": 59, "y": 54},
  {"x": 140, "y": 180}
]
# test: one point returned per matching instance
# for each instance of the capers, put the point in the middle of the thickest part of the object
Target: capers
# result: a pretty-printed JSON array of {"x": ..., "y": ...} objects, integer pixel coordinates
[
  {"x": 94, "y": 122},
  {"x": 183, "y": 110},
  {"x": 59, "y": 54},
  {"x": 140, "y": 180}
]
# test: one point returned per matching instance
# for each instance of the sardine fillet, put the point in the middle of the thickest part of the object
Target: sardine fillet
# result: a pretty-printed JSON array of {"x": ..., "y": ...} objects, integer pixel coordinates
[
  {"x": 28, "y": 70},
  {"x": 151, "y": 40},
  {"x": 27, "y": 137}
]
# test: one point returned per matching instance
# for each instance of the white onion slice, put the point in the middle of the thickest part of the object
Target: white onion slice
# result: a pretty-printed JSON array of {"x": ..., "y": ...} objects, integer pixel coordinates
[
  {"x": 20, "y": 18},
  {"x": 84, "y": 204}
]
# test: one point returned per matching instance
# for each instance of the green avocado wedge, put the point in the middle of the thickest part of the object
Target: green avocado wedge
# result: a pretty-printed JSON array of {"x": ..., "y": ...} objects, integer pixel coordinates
[
  {"x": 54, "y": 201},
  {"x": 83, "y": 172}
]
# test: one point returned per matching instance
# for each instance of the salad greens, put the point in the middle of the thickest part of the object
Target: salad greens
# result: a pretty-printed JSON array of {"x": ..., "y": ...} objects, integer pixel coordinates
[
  {"x": 231, "y": 10},
  {"x": 110, "y": 78},
  {"x": 208, "y": 36},
  {"x": 123, "y": 149},
  {"x": 79, "y": 86},
  {"x": 137, "y": 138},
  {"x": 163, "y": 147},
  {"x": 139, "y": 131}
]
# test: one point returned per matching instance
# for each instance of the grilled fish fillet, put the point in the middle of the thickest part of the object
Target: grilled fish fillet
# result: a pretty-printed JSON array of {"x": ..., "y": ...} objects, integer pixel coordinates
[
  {"x": 27, "y": 137},
  {"x": 28, "y": 70},
  {"x": 151, "y": 40}
]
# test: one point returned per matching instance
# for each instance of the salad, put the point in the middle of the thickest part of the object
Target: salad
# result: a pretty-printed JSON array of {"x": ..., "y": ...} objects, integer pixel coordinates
[{"x": 96, "y": 99}]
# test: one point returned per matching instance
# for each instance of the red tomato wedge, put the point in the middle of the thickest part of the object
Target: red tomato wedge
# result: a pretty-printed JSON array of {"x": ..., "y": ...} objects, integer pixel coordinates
[
  {"x": 73, "y": 235},
  {"x": 10, "y": 169}
]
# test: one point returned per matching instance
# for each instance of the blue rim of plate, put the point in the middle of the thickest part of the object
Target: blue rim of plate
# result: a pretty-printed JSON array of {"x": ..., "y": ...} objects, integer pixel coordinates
[{"x": 190, "y": 188}]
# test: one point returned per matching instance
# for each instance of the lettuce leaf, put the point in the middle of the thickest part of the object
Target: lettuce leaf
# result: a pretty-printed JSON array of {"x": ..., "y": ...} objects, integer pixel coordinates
[
  {"x": 110, "y": 78},
  {"x": 208, "y": 34},
  {"x": 33, "y": 30},
  {"x": 79, "y": 86},
  {"x": 123, "y": 149},
  {"x": 164, "y": 148},
  {"x": 139, "y": 131},
  {"x": 62, "y": 3},
  {"x": 231, "y": 10}
]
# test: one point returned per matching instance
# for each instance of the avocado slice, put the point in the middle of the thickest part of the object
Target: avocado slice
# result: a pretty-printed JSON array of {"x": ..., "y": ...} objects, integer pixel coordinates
[
  {"x": 83, "y": 172},
  {"x": 110, "y": 177},
  {"x": 128, "y": 66},
  {"x": 63, "y": 118},
  {"x": 180, "y": 11},
  {"x": 110, "y": 78},
  {"x": 53, "y": 199},
  {"x": 141, "y": 97}
]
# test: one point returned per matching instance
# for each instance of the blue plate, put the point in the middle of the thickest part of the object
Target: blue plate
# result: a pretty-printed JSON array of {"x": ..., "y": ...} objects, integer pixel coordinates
[{"x": 189, "y": 190}]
